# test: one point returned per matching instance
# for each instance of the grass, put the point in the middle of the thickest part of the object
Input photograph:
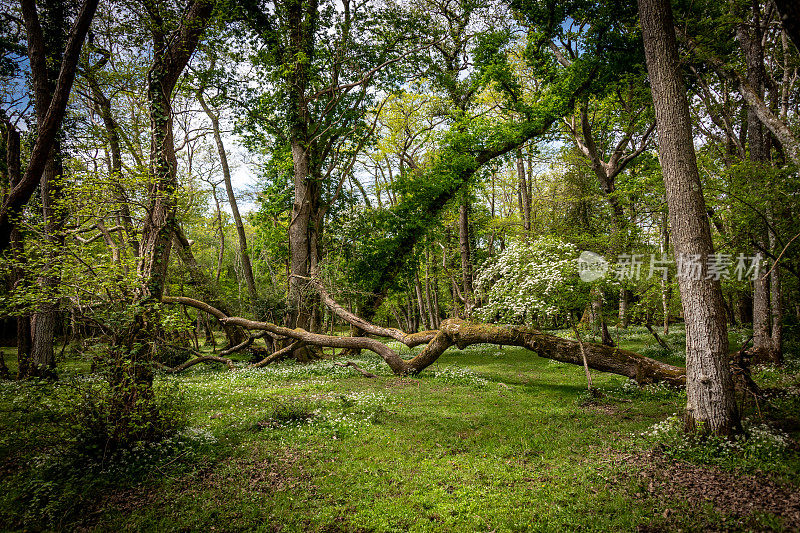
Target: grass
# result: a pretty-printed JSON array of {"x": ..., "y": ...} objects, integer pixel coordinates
[{"x": 488, "y": 439}]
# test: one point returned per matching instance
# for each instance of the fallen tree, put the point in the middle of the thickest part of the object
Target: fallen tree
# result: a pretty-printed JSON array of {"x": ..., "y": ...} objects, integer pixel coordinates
[{"x": 460, "y": 333}]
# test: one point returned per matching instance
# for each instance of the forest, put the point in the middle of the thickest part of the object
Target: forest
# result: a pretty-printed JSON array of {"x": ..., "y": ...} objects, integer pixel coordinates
[{"x": 399, "y": 265}]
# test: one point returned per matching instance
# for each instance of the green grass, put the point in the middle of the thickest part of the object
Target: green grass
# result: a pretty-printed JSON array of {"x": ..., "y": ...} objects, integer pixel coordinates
[{"x": 487, "y": 439}]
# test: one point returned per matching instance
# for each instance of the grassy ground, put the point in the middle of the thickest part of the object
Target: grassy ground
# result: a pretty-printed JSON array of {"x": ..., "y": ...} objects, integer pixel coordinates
[{"x": 488, "y": 439}]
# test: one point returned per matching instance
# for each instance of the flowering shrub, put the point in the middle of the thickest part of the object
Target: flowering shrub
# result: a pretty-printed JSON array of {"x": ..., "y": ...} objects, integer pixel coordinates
[{"x": 532, "y": 283}]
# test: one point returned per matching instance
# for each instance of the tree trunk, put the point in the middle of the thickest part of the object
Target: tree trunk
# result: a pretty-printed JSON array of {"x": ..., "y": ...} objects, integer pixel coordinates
[
  {"x": 749, "y": 36},
  {"x": 460, "y": 333},
  {"x": 428, "y": 298},
  {"x": 247, "y": 268},
  {"x": 776, "y": 308},
  {"x": 13, "y": 166},
  {"x": 131, "y": 378},
  {"x": 423, "y": 312},
  {"x": 45, "y": 318},
  {"x": 466, "y": 255},
  {"x": 624, "y": 297},
  {"x": 305, "y": 226},
  {"x": 221, "y": 229},
  {"x": 301, "y": 238},
  {"x": 762, "y": 341},
  {"x": 710, "y": 405},
  {"x": 432, "y": 280},
  {"x": 524, "y": 194}
]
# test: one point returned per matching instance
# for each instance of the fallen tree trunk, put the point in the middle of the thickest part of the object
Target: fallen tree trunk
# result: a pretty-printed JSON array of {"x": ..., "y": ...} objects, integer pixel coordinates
[
  {"x": 598, "y": 356},
  {"x": 460, "y": 333}
]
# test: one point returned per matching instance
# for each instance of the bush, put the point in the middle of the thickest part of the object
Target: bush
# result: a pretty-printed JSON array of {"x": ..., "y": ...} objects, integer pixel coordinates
[
  {"x": 760, "y": 447},
  {"x": 61, "y": 438}
]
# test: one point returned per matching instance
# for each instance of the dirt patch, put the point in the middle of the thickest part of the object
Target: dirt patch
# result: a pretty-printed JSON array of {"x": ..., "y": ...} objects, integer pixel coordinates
[
  {"x": 731, "y": 494},
  {"x": 261, "y": 476},
  {"x": 599, "y": 407}
]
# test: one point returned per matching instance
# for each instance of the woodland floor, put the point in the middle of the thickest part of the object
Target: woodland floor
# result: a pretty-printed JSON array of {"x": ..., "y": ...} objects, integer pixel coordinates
[{"x": 488, "y": 439}]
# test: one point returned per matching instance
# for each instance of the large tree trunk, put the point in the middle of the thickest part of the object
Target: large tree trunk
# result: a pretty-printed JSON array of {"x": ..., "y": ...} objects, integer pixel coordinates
[
  {"x": 302, "y": 238},
  {"x": 131, "y": 372},
  {"x": 710, "y": 403},
  {"x": 305, "y": 226}
]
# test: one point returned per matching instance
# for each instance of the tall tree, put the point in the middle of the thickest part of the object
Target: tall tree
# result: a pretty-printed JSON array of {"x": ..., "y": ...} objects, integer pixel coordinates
[
  {"x": 131, "y": 378},
  {"x": 710, "y": 405},
  {"x": 51, "y": 16},
  {"x": 247, "y": 267}
]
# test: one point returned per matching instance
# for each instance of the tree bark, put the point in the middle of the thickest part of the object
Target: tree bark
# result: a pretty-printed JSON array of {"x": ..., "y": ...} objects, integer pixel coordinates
[{"x": 710, "y": 406}]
